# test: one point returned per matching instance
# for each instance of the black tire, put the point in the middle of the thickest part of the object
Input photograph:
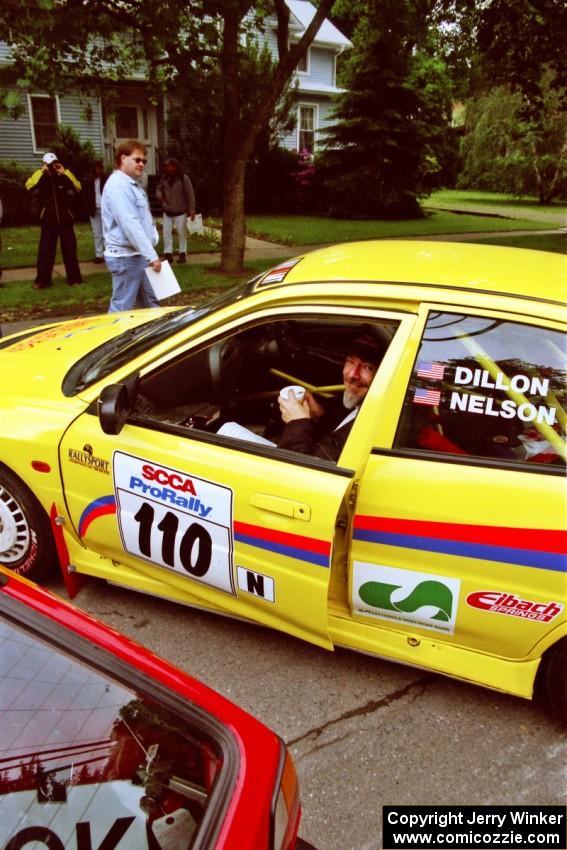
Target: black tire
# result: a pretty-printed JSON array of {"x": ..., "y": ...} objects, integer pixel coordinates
[
  {"x": 555, "y": 680},
  {"x": 26, "y": 541}
]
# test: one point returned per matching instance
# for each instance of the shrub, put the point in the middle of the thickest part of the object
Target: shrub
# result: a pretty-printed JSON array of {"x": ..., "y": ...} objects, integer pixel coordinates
[
  {"x": 15, "y": 199},
  {"x": 270, "y": 181}
]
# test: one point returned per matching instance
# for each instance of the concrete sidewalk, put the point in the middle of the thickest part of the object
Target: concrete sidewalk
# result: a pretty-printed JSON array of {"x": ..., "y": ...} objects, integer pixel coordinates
[
  {"x": 255, "y": 249},
  {"x": 526, "y": 214},
  {"x": 258, "y": 249}
]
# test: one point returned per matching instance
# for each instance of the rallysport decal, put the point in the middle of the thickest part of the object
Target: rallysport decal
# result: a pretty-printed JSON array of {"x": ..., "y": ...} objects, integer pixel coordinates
[
  {"x": 542, "y": 549},
  {"x": 296, "y": 546},
  {"x": 415, "y": 599},
  {"x": 175, "y": 520}
]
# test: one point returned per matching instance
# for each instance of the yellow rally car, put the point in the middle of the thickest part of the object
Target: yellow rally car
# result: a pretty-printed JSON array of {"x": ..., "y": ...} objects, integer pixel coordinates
[{"x": 146, "y": 449}]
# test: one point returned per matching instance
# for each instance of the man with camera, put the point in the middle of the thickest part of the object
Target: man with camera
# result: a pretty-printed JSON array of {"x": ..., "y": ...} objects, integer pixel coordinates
[{"x": 55, "y": 190}]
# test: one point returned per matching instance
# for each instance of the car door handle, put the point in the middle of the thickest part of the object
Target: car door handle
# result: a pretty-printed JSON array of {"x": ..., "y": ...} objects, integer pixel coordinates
[{"x": 278, "y": 505}]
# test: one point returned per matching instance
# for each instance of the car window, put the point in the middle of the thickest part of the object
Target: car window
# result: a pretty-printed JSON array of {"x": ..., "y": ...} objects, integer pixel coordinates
[
  {"x": 113, "y": 354},
  {"x": 231, "y": 387},
  {"x": 487, "y": 388},
  {"x": 83, "y": 757}
]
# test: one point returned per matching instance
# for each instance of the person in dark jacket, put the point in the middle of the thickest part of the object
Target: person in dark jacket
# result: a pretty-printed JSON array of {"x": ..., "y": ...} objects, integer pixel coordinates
[
  {"x": 92, "y": 198},
  {"x": 312, "y": 429},
  {"x": 177, "y": 198},
  {"x": 57, "y": 190}
]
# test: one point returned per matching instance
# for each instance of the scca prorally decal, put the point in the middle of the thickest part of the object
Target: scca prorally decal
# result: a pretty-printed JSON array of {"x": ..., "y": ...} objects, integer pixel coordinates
[
  {"x": 175, "y": 519},
  {"x": 500, "y": 602},
  {"x": 542, "y": 549},
  {"x": 418, "y": 599}
]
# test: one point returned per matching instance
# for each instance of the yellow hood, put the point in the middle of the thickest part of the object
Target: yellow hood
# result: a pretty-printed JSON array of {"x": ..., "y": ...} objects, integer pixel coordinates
[{"x": 35, "y": 361}]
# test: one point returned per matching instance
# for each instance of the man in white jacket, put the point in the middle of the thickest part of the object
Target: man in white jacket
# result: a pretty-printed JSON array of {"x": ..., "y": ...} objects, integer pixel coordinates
[{"x": 130, "y": 235}]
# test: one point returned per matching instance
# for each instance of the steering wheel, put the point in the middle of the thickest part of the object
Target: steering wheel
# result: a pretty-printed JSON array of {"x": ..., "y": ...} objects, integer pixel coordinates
[{"x": 222, "y": 357}]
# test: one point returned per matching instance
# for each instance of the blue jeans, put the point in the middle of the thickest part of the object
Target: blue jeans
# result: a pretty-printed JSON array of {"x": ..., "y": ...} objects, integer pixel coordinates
[{"x": 130, "y": 285}]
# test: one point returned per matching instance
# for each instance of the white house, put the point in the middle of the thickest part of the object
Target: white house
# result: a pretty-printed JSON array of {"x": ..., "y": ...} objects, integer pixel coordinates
[{"x": 134, "y": 115}]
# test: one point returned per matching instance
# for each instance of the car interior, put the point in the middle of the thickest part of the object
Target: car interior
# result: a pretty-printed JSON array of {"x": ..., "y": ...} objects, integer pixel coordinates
[{"x": 238, "y": 377}]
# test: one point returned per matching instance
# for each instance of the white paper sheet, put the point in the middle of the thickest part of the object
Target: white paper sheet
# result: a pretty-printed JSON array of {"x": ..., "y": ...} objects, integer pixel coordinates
[
  {"x": 164, "y": 283},
  {"x": 195, "y": 226},
  {"x": 233, "y": 429}
]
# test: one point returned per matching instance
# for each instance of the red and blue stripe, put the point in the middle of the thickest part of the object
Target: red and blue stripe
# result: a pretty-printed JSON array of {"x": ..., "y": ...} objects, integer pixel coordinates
[
  {"x": 308, "y": 549},
  {"x": 100, "y": 507},
  {"x": 543, "y": 549}
]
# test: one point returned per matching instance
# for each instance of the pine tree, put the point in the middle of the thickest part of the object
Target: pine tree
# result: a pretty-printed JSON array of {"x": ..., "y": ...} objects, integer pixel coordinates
[{"x": 384, "y": 149}]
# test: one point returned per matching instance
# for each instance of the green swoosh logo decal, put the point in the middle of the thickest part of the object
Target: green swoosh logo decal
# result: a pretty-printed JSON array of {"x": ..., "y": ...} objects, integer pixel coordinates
[{"x": 379, "y": 595}]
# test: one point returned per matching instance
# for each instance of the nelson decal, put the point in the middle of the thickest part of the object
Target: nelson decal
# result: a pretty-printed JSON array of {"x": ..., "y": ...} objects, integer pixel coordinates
[{"x": 88, "y": 459}]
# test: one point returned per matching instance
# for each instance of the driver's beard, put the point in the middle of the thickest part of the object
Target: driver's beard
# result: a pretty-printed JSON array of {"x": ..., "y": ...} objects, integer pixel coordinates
[{"x": 350, "y": 400}]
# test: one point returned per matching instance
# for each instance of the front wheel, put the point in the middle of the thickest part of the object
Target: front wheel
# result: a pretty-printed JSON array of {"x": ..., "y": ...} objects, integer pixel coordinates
[{"x": 26, "y": 541}]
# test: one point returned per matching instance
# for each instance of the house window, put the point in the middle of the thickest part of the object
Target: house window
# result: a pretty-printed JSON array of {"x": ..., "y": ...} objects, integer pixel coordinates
[
  {"x": 307, "y": 123},
  {"x": 303, "y": 64},
  {"x": 127, "y": 122},
  {"x": 131, "y": 122},
  {"x": 45, "y": 119}
]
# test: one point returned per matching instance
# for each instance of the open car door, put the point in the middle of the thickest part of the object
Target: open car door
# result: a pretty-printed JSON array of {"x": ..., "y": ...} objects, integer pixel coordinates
[{"x": 207, "y": 519}]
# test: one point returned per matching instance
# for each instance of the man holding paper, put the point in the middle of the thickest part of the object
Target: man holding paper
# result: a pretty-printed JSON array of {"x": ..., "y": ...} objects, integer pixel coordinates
[
  {"x": 176, "y": 195},
  {"x": 130, "y": 235}
]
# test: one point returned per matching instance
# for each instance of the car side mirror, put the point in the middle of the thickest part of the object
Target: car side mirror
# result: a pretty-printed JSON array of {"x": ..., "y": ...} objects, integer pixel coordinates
[{"x": 113, "y": 408}]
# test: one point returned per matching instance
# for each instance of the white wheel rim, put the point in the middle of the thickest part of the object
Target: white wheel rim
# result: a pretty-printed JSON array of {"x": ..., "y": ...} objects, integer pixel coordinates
[{"x": 15, "y": 533}]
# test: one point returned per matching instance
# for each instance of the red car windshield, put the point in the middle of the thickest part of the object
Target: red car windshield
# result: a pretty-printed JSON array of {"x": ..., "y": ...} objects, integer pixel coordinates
[{"x": 86, "y": 761}]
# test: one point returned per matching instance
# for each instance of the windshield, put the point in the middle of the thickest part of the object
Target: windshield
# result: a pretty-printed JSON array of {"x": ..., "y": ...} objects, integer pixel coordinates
[
  {"x": 87, "y": 755},
  {"x": 113, "y": 354}
]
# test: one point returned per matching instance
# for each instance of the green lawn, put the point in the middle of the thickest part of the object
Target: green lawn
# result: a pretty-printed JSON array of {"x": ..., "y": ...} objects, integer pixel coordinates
[
  {"x": 19, "y": 245},
  {"x": 316, "y": 230},
  {"x": 554, "y": 242},
  {"x": 468, "y": 197},
  {"x": 19, "y": 300}
]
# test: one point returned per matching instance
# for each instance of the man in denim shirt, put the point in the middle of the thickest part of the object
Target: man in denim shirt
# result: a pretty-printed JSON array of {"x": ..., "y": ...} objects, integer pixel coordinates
[{"x": 129, "y": 231}]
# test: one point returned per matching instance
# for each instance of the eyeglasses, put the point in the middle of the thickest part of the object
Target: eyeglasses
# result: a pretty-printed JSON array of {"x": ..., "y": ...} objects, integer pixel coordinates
[{"x": 139, "y": 159}]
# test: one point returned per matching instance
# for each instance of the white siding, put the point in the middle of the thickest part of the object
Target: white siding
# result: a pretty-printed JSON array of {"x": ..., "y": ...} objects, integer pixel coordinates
[
  {"x": 16, "y": 141},
  {"x": 321, "y": 66}
]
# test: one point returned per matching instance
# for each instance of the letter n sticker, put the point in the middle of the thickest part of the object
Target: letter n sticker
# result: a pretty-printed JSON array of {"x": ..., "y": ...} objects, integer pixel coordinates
[{"x": 256, "y": 583}]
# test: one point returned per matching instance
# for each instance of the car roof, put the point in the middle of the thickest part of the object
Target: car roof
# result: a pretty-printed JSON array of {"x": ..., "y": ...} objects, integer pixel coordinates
[{"x": 538, "y": 275}]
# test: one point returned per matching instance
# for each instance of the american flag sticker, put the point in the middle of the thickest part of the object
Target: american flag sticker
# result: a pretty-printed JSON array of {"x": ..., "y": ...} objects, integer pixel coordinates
[
  {"x": 434, "y": 371},
  {"x": 430, "y": 397},
  {"x": 278, "y": 274}
]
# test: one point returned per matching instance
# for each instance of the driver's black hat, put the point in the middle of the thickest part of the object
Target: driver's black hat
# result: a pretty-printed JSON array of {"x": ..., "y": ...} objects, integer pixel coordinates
[{"x": 365, "y": 346}]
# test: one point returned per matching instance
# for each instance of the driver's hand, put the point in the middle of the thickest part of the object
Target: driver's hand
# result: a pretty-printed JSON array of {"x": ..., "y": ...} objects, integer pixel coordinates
[
  {"x": 292, "y": 409},
  {"x": 316, "y": 410}
]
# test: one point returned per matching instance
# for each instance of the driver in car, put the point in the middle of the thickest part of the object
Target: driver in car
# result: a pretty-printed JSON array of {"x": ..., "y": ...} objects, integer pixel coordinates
[{"x": 313, "y": 429}]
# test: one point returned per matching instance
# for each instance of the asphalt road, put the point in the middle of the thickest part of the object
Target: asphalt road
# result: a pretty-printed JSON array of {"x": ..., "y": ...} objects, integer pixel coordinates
[{"x": 363, "y": 732}]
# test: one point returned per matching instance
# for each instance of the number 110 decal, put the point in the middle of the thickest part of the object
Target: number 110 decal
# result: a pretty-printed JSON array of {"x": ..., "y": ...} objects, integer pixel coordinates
[{"x": 175, "y": 520}]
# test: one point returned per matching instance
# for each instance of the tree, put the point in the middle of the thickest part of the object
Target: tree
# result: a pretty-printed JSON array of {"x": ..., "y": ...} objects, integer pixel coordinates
[
  {"x": 385, "y": 148},
  {"x": 509, "y": 147},
  {"x": 516, "y": 39},
  {"x": 89, "y": 46}
]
